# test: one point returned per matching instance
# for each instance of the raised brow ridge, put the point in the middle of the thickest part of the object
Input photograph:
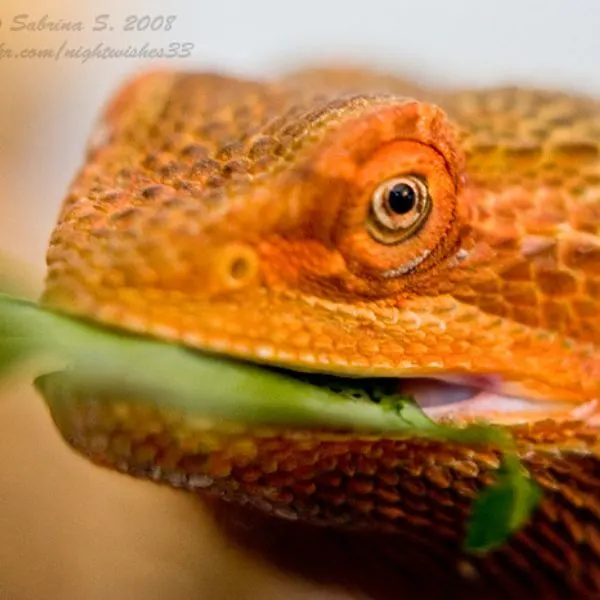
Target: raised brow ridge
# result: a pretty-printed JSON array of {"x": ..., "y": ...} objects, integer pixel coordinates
[{"x": 209, "y": 136}]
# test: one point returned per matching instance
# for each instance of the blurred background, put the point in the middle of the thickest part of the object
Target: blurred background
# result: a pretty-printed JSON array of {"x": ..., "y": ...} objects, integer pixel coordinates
[{"x": 69, "y": 530}]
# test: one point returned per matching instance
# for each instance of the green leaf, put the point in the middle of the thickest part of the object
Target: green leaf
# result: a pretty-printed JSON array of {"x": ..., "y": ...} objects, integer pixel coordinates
[
  {"x": 502, "y": 508},
  {"x": 15, "y": 345},
  {"x": 194, "y": 383},
  {"x": 13, "y": 350}
]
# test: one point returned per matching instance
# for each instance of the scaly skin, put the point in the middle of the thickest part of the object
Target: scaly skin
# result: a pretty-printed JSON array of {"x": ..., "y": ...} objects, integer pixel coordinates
[{"x": 230, "y": 216}]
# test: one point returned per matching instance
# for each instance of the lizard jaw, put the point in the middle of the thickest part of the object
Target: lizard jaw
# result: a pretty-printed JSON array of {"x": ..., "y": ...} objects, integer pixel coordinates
[{"x": 259, "y": 331}]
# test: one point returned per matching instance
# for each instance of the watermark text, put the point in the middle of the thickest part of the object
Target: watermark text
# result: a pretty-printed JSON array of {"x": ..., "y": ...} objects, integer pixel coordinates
[{"x": 98, "y": 51}]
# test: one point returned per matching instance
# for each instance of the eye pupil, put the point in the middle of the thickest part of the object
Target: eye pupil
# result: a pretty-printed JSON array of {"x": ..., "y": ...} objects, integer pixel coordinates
[{"x": 402, "y": 198}]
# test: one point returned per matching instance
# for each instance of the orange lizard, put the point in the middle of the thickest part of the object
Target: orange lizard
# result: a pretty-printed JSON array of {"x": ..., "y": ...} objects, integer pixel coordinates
[{"x": 348, "y": 222}]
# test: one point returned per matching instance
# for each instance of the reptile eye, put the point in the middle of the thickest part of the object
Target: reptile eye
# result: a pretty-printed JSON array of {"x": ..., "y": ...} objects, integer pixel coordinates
[{"x": 399, "y": 207}]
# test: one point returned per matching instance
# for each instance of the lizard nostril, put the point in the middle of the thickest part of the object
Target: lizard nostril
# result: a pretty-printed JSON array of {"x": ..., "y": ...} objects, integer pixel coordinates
[
  {"x": 239, "y": 268},
  {"x": 238, "y": 265}
]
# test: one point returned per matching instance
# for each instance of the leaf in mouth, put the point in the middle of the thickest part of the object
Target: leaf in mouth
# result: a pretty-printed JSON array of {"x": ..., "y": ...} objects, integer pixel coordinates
[{"x": 199, "y": 384}]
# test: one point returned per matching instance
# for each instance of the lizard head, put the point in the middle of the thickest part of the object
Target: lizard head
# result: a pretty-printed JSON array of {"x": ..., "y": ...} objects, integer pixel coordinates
[
  {"x": 352, "y": 233},
  {"x": 309, "y": 225}
]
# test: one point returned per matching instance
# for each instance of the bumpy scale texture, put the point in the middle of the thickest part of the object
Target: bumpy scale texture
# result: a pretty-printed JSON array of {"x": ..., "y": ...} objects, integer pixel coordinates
[{"x": 229, "y": 215}]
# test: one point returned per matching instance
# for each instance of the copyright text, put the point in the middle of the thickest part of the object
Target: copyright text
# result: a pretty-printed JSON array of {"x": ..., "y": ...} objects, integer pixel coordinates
[{"x": 99, "y": 51}]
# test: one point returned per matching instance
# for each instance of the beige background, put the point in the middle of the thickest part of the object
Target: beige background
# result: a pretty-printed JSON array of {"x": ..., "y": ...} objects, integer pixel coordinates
[{"x": 67, "y": 529}]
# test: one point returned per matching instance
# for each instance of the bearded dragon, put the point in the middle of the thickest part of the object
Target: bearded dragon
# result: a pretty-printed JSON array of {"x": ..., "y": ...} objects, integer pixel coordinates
[{"x": 347, "y": 222}]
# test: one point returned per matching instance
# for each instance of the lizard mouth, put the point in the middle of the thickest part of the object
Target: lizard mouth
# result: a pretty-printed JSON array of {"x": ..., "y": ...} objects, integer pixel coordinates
[
  {"x": 454, "y": 397},
  {"x": 471, "y": 398}
]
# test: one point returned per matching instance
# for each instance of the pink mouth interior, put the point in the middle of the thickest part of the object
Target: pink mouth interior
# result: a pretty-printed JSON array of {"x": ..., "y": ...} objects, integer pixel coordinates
[{"x": 474, "y": 398}]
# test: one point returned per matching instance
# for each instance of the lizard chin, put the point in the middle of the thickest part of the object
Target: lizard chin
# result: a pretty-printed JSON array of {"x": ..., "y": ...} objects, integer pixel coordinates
[{"x": 467, "y": 399}]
